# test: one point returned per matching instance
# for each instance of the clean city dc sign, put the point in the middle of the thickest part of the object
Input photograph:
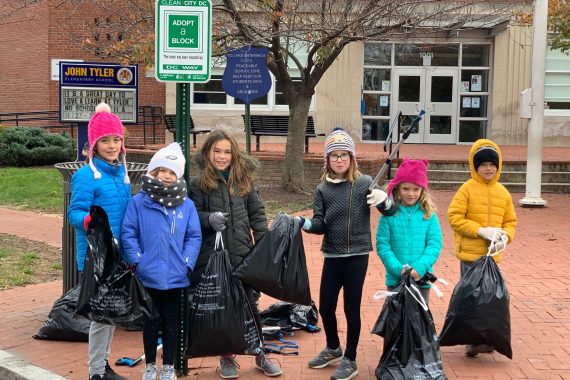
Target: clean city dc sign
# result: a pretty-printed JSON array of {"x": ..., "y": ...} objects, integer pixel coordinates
[
  {"x": 183, "y": 40},
  {"x": 84, "y": 85}
]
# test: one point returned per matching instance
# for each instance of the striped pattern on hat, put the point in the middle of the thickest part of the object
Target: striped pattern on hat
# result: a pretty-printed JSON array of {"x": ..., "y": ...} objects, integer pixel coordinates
[{"x": 338, "y": 139}]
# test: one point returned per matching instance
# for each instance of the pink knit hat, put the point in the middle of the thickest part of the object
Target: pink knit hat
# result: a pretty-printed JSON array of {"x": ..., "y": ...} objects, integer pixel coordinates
[
  {"x": 105, "y": 123},
  {"x": 413, "y": 171}
]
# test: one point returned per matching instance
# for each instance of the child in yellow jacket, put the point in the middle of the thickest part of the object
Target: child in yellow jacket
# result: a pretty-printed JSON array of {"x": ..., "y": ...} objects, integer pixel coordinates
[{"x": 482, "y": 213}]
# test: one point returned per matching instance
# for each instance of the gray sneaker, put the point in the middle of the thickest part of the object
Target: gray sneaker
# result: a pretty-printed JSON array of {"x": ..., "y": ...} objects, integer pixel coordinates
[
  {"x": 150, "y": 372},
  {"x": 346, "y": 370},
  {"x": 228, "y": 367},
  {"x": 267, "y": 365},
  {"x": 326, "y": 357},
  {"x": 167, "y": 372}
]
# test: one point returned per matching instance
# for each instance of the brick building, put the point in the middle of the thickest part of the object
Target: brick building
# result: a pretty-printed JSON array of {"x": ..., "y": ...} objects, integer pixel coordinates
[{"x": 34, "y": 35}]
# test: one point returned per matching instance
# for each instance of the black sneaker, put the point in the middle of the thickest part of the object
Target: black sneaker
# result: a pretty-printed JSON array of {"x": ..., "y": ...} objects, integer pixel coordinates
[
  {"x": 112, "y": 375},
  {"x": 97, "y": 377}
]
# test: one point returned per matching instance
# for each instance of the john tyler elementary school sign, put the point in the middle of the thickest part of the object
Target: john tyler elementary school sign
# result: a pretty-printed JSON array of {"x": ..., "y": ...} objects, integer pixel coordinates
[
  {"x": 84, "y": 85},
  {"x": 183, "y": 40}
]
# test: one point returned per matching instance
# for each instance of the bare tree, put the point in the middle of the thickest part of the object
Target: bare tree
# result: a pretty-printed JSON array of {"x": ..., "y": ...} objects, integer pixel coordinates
[
  {"x": 306, "y": 35},
  {"x": 323, "y": 28}
]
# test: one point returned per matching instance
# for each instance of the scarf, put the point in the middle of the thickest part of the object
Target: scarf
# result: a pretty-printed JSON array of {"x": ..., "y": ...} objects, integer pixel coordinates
[{"x": 168, "y": 196}]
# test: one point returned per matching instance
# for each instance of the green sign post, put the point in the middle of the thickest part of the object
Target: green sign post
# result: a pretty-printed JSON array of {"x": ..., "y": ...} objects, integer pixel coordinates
[{"x": 183, "y": 33}]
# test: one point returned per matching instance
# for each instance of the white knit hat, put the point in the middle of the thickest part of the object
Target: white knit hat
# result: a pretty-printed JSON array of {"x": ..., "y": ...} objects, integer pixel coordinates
[{"x": 170, "y": 157}]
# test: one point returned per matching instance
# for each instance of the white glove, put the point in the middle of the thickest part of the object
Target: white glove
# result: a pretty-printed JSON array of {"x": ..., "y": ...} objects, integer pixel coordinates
[
  {"x": 490, "y": 233},
  {"x": 499, "y": 244},
  {"x": 375, "y": 197},
  {"x": 305, "y": 223}
]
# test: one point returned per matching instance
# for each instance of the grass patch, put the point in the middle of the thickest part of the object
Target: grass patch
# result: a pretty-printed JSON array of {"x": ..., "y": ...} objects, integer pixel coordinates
[
  {"x": 33, "y": 189},
  {"x": 24, "y": 261},
  {"x": 278, "y": 200},
  {"x": 40, "y": 190}
]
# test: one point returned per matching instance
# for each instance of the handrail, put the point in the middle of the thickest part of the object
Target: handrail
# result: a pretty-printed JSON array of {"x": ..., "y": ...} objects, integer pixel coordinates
[{"x": 389, "y": 140}]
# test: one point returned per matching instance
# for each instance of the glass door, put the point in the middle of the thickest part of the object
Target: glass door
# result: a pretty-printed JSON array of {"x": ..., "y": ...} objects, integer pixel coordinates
[
  {"x": 409, "y": 96},
  {"x": 440, "y": 126},
  {"x": 433, "y": 90}
]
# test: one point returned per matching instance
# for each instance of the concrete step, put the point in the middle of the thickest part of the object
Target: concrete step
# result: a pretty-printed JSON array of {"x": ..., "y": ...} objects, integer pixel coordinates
[
  {"x": 506, "y": 176},
  {"x": 515, "y": 187},
  {"x": 508, "y": 167}
]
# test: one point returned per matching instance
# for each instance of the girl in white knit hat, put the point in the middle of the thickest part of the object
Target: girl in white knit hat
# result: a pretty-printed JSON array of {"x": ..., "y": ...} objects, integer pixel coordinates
[{"x": 161, "y": 239}]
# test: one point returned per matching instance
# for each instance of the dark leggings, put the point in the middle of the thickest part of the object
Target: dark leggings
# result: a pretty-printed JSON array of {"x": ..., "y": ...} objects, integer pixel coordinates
[
  {"x": 347, "y": 273},
  {"x": 166, "y": 302}
]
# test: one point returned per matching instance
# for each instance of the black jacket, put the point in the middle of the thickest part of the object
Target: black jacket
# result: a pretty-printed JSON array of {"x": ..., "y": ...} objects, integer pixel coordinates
[
  {"x": 247, "y": 215},
  {"x": 341, "y": 214}
]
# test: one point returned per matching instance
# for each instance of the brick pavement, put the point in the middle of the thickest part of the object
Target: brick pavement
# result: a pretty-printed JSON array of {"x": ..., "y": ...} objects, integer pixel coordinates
[{"x": 535, "y": 267}]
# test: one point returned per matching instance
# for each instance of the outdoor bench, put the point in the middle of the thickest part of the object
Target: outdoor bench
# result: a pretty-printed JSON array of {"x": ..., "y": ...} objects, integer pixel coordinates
[
  {"x": 277, "y": 125},
  {"x": 170, "y": 123}
]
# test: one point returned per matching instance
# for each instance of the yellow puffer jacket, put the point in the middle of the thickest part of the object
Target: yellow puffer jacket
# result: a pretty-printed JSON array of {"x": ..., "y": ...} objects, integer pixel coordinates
[{"x": 480, "y": 203}]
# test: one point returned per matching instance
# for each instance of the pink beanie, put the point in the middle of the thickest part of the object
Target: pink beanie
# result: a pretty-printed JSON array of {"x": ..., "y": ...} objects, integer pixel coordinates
[
  {"x": 413, "y": 171},
  {"x": 105, "y": 123}
]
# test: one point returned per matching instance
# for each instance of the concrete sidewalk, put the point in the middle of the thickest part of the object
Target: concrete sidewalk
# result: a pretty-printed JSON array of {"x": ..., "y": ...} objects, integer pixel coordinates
[{"x": 536, "y": 267}]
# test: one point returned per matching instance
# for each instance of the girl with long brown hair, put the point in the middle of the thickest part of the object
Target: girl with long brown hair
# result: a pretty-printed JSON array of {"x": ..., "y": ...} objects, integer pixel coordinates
[{"x": 228, "y": 201}]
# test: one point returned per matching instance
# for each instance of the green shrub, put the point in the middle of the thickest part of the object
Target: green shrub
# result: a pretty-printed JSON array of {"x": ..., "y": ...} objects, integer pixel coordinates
[{"x": 27, "y": 146}]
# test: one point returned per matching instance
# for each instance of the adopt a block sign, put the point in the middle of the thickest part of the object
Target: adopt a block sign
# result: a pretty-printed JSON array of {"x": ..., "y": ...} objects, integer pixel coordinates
[{"x": 183, "y": 40}]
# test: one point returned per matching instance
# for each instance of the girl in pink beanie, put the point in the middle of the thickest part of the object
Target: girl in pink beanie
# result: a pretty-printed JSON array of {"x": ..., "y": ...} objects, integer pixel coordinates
[
  {"x": 411, "y": 238},
  {"x": 105, "y": 183},
  {"x": 106, "y": 129}
]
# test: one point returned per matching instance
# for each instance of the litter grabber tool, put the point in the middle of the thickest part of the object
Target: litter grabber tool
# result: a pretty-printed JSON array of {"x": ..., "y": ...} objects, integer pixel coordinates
[
  {"x": 382, "y": 172},
  {"x": 131, "y": 362}
]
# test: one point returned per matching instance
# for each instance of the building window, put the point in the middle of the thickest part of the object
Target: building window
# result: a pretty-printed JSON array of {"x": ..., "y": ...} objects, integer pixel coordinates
[
  {"x": 469, "y": 117},
  {"x": 557, "y": 83},
  {"x": 376, "y": 91},
  {"x": 211, "y": 95}
]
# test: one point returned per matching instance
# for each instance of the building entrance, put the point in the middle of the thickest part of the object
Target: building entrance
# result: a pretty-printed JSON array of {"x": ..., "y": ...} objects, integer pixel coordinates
[{"x": 433, "y": 90}]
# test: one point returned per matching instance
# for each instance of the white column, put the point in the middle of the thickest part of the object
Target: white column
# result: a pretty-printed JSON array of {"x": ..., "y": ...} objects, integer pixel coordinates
[{"x": 534, "y": 148}]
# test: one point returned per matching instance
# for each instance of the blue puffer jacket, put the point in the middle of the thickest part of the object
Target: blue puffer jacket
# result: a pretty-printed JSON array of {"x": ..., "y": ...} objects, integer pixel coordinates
[
  {"x": 110, "y": 192},
  {"x": 163, "y": 242},
  {"x": 407, "y": 238}
]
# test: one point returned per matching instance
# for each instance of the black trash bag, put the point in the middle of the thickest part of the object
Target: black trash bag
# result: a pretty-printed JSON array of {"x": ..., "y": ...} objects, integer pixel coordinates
[
  {"x": 110, "y": 292},
  {"x": 221, "y": 320},
  {"x": 61, "y": 325},
  {"x": 288, "y": 314},
  {"x": 411, "y": 349},
  {"x": 276, "y": 265},
  {"x": 478, "y": 311}
]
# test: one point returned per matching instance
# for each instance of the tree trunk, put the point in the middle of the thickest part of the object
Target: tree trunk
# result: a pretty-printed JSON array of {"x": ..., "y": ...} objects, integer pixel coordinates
[{"x": 293, "y": 168}]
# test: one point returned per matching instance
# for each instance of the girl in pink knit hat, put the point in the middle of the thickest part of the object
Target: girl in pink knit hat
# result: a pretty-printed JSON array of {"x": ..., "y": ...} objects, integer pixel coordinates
[
  {"x": 103, "y": 182},
  {"x": 411, "y": 238}
]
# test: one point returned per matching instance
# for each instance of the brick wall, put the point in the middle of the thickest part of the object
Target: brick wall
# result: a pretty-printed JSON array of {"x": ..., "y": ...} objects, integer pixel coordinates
[
  {"x": 31, "y": 37},
  {"x": 269, "y": 171}
]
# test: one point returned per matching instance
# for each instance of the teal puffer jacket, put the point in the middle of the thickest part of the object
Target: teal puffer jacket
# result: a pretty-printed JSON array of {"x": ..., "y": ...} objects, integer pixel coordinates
[{"x": 407, "y": 238}]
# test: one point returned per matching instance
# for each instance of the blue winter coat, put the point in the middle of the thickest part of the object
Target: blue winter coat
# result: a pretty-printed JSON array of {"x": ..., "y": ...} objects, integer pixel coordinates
[
  {"x": 110, "y": 192},
  {"x": 407, "y": 238},
  {"x": 163, "y": 242}
]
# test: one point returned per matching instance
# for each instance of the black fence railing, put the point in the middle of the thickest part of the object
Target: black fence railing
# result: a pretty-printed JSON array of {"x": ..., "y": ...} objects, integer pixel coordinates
[{"x": 149, "y": 117}]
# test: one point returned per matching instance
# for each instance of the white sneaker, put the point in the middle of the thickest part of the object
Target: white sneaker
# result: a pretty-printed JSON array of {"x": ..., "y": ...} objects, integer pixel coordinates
[
  {"x": 167, "y": 372},
  {"x": 150, "y": 372}
]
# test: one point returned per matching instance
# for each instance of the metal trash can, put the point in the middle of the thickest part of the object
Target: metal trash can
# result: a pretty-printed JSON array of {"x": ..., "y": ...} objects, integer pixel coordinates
[{"x": 67, "y": 169}]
